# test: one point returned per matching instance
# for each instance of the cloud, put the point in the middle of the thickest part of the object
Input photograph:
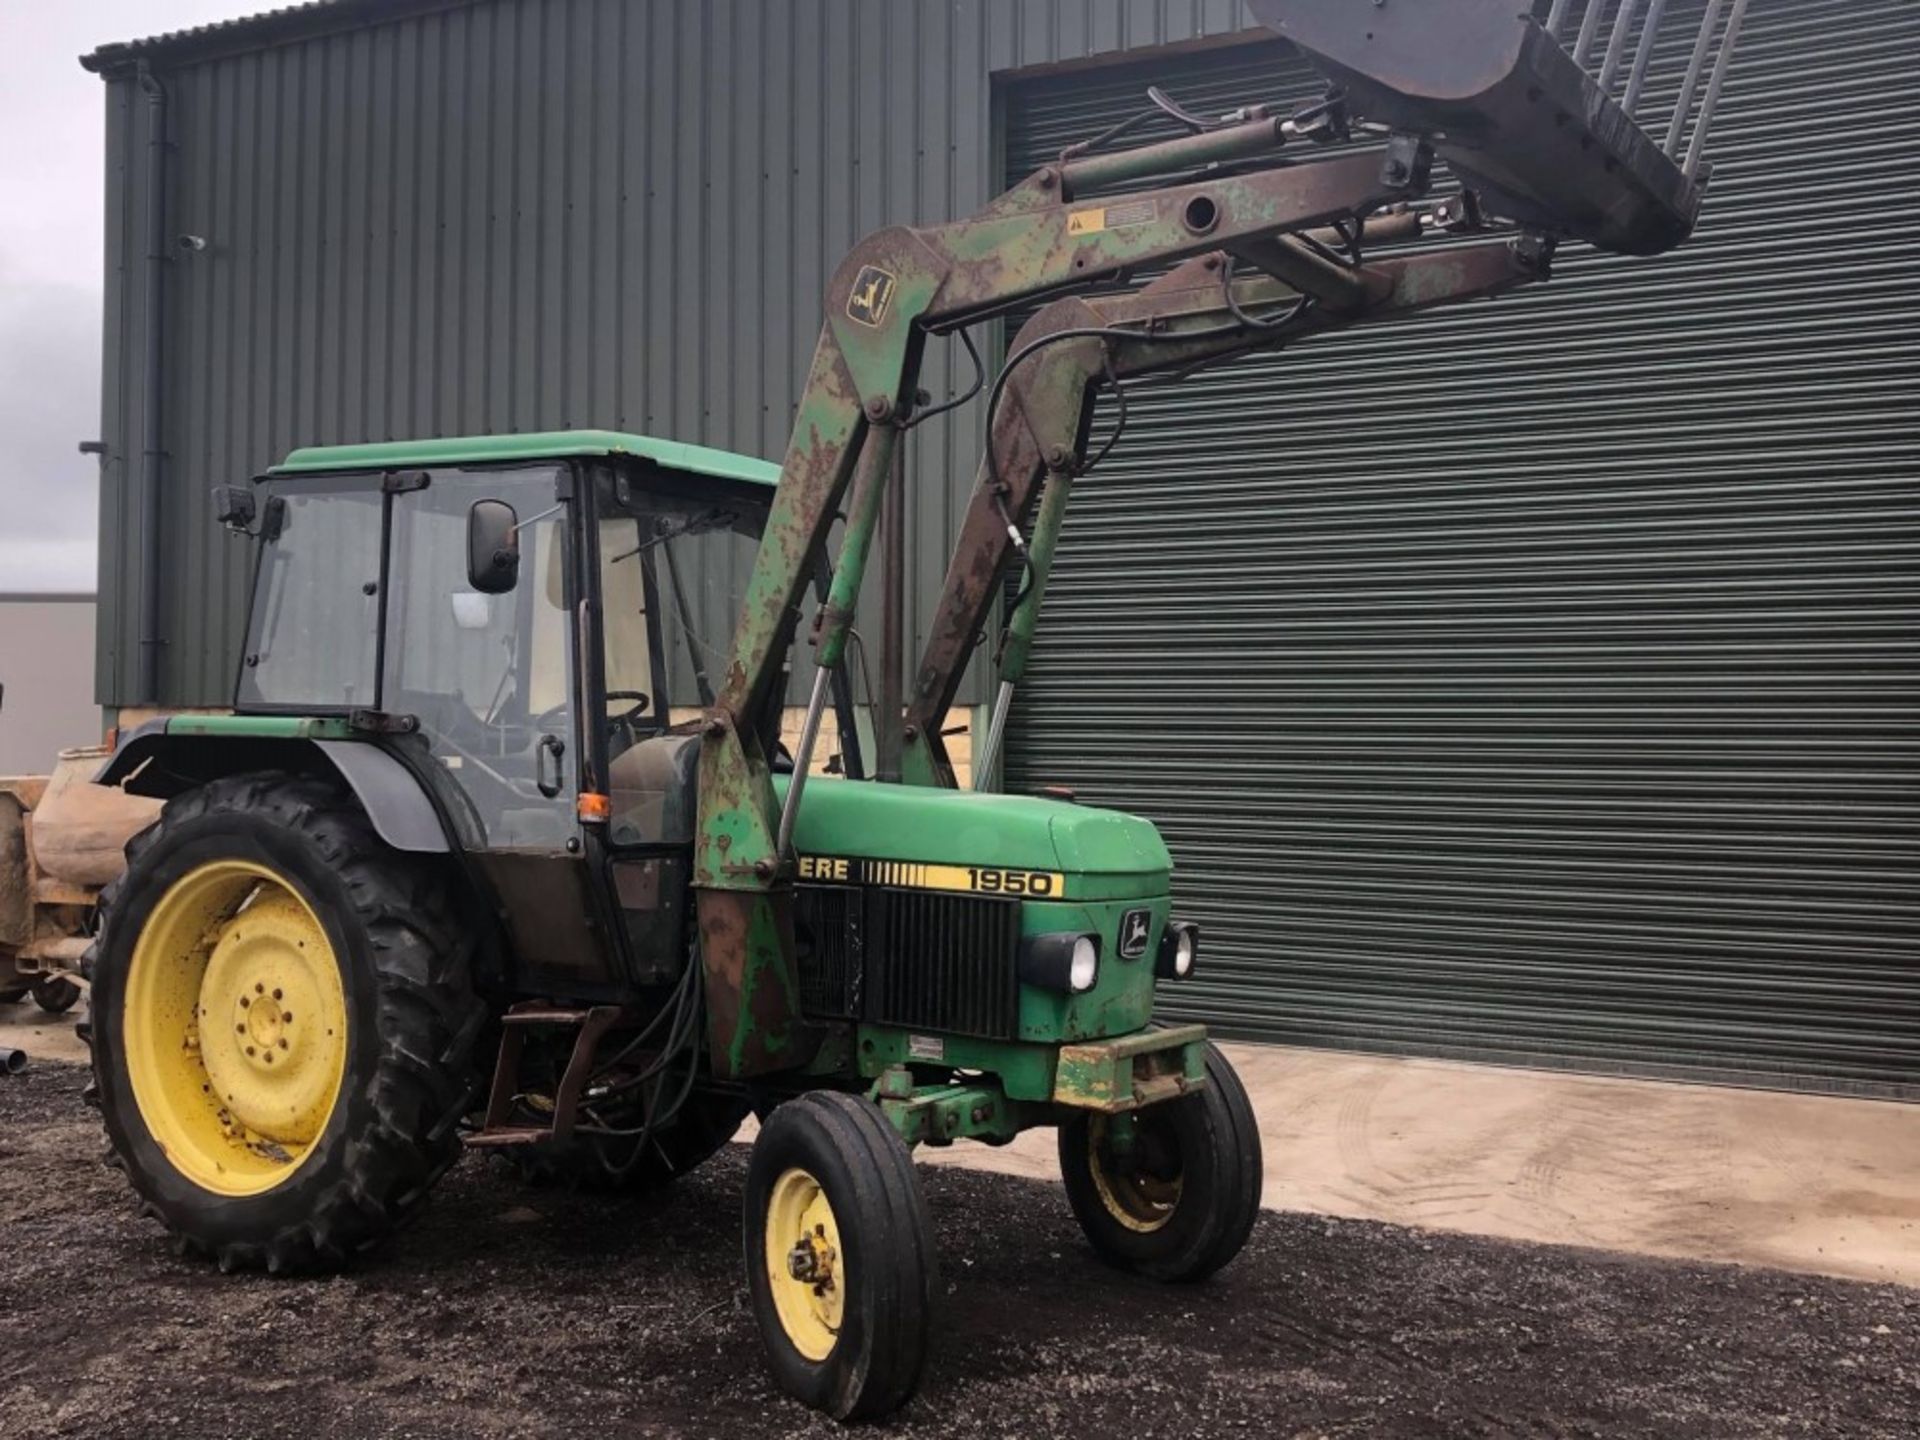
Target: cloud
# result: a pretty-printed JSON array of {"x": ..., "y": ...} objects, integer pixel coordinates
[
  {"x": 52, "y": 139},
  {"x": 59, "y": 566},
  {"x": 49, "y": 403}
]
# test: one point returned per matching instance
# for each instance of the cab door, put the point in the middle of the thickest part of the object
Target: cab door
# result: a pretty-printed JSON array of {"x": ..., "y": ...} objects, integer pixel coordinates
[{"x": 493, "y": 681}]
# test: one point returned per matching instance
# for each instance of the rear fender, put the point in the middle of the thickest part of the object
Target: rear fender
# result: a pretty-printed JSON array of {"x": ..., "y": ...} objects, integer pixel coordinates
[{"x": 156, "y": 761}]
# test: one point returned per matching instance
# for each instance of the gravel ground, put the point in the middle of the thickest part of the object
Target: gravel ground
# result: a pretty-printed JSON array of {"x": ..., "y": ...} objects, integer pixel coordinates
[{"x": 507, "y": 1311}]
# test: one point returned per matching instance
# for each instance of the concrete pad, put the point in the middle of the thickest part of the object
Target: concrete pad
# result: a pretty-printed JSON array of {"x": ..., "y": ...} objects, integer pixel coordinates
[{"x": 1813, "y": 1183}]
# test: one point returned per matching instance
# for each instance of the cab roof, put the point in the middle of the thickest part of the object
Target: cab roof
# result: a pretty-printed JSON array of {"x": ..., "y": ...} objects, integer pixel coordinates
[{"x": 543, "y": 445}]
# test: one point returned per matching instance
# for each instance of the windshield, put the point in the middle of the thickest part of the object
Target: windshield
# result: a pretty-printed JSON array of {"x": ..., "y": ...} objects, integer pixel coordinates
[{"x": 673, "y": 571}]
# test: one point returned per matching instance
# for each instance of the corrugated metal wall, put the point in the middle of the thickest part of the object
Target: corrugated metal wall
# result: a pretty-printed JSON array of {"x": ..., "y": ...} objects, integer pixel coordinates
[
  {"x": 1539, "y": 681},
  {"x": 529, "y": 214}
]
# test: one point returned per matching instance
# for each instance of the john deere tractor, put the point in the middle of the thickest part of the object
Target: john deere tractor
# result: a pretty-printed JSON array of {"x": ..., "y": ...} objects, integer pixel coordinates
[{"x": 502, "y": 845}]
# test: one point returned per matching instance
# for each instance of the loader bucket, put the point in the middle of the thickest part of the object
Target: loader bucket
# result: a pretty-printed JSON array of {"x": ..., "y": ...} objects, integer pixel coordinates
[{"x": 1545, "y": 134}]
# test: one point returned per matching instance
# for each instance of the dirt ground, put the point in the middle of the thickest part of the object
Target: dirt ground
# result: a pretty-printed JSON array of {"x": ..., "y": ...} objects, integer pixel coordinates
[{"x": 507, "y": 1312}]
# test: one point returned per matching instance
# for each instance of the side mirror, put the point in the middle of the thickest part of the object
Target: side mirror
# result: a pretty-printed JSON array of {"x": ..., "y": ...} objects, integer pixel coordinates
[
  {"x": 233, "y": 506},
  {"x": 493, "y": 547}
]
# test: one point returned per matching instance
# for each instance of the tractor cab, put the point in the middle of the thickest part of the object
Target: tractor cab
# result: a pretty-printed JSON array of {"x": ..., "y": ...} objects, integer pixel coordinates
[{"x": 532, "y": 622}]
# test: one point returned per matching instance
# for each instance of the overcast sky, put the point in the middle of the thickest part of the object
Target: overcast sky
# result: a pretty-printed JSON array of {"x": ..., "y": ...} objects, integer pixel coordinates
[{"x": 51, "y": 118}]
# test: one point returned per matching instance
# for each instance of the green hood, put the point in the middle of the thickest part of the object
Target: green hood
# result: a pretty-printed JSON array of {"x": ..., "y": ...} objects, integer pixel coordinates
[{"x": 958, "y": 827}]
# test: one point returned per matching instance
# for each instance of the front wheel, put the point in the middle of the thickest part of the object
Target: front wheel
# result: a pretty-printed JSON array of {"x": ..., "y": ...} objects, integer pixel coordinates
[
  {"x": 1174, "y": 1194},
  {"x": 839, "y": 1252}
]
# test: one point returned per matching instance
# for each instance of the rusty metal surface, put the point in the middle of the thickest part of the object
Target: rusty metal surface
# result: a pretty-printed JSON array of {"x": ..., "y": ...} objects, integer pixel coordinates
[
  {"x": 752, "y": 983},
  {"x": 591, "y": 1025},
  {"x": 1114, "y": 1076}
]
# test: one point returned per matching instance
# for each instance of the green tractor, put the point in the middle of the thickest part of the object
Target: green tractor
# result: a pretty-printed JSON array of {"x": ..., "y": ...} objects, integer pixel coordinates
[{"x": 504, "y": 846}]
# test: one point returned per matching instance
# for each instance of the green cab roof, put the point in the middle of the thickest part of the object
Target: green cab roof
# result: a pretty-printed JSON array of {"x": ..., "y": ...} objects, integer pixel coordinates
[{"x": 544, "y": 445}]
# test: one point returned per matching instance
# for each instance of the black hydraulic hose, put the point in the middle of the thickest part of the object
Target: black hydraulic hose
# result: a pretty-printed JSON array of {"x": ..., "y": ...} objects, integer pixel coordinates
[{"x": 979, "y": 384}]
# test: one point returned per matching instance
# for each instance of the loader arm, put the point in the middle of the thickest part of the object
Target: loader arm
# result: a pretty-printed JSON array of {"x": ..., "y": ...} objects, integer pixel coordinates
[
  {"x": 894, "y": 289},
  {"x": 1481, "y": 81}
]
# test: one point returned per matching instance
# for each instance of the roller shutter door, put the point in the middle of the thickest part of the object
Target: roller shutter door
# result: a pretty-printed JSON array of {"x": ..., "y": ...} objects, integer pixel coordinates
[{"x": 1537, "y": 682}]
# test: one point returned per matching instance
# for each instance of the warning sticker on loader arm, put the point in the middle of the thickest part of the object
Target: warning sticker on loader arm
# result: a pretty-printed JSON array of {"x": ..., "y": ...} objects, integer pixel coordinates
[{"x": 1112, "y": 217}]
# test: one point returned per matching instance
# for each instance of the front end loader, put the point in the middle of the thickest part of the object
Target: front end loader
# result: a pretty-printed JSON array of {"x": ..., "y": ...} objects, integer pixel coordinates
[{"x": 495, "y": 785}]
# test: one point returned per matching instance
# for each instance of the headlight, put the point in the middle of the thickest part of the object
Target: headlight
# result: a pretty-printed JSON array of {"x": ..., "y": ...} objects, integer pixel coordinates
[
  {"x": 1069, "y": 964},
  {"x": 1086, "y": 964},
  {"x": 1178, "y": 947}
]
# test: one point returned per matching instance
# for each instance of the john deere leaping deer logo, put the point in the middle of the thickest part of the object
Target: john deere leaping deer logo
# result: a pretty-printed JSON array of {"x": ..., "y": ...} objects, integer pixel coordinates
[{"x": 872, "y": 294}]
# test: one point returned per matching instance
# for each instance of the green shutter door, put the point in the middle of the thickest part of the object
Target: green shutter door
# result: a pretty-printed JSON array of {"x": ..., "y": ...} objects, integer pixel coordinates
[{"x": 1537, "y": 682}]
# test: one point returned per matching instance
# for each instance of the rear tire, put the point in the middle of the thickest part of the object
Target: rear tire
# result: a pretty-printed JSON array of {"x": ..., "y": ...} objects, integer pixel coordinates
[
  {"x": 1181, "y": 1204},
  {"x": 280, "y": 876},
  {"x": 56, "y": 994},
  {"x": 831, "y": 1187}
]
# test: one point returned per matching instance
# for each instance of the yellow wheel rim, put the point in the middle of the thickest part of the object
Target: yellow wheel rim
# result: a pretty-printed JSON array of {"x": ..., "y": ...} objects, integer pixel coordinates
[
  {"x": 806, "y": 1267},
  {"x": 1137, "y": 1198},
  {"x": 234, "y": 1027}
]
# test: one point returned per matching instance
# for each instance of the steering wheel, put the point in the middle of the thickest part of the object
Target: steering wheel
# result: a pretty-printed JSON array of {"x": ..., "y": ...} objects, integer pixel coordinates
[{"x": 642, "y": 702}]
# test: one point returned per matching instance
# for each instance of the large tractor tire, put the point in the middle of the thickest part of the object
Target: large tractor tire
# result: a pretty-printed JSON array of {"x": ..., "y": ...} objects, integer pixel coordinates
[
  {"x": 840, "y": 1257},
  {"x": 1179, "y": 1200},
  {"x": 283, "y": 1023}
]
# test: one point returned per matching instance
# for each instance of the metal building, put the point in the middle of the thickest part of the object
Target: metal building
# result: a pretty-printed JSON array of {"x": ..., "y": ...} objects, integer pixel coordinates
[{"x": 1535, "y": 684}]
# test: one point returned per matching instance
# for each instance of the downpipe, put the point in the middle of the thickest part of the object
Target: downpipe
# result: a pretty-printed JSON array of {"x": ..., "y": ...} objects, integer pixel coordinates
[{"x": 147, "y": 660}]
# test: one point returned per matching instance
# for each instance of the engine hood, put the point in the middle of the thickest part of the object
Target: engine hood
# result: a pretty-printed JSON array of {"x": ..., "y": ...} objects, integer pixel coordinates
[{"x": 1101, "y": 852}]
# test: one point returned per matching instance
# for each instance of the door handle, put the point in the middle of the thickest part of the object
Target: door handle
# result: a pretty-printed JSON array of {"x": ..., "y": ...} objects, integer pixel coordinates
[{"x": 556, "y": 747}]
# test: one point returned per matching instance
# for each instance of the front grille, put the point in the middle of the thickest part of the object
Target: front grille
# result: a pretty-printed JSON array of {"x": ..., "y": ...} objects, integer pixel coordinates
[
  {"x": 919, "y": 959},
  {"x": 829, "y": 932}
]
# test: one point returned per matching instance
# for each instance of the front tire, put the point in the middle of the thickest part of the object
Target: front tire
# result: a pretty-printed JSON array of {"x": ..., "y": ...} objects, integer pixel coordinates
[
  {"x": 839, "y": 1252},
  {"x": 1179, "y": 1202},
  {"x": 283, "y": 1023}
]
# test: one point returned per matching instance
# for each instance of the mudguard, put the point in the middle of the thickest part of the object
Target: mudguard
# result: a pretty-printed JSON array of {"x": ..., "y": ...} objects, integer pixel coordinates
[{"x": 168, "y": 756}]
